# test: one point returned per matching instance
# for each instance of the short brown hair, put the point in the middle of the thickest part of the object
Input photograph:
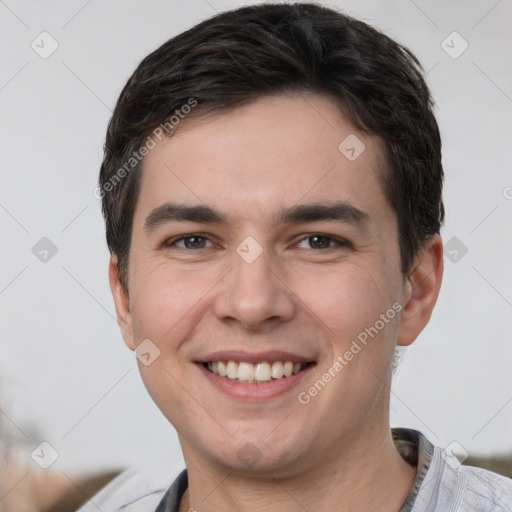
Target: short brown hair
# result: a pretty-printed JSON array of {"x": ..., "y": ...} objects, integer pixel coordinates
[{"x": 238, "y": 56}]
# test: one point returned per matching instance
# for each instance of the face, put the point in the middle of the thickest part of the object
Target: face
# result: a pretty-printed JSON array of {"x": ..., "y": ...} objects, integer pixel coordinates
[{"x": 260, "y": 249}]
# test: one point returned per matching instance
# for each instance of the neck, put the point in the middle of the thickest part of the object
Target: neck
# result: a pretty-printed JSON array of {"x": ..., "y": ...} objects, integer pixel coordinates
[{"x": 366, "y": 475}]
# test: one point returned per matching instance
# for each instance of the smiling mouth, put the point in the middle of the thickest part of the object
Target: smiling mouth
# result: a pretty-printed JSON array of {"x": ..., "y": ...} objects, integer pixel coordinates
[{"x": 249, "y": 373}]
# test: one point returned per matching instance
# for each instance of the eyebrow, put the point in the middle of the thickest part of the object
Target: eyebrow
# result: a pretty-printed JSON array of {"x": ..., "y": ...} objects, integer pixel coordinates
[
  {"x": 170, "y": 212},
  {"x": 339, "y": 211},
  {"x": 314, "y": 212}
]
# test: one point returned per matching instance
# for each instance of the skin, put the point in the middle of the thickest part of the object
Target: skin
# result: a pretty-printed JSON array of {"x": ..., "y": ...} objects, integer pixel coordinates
[{"x": 336, "y": 452}]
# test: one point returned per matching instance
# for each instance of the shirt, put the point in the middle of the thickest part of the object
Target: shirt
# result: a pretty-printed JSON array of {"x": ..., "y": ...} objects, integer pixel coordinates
[{"x": 441, "y": 485}]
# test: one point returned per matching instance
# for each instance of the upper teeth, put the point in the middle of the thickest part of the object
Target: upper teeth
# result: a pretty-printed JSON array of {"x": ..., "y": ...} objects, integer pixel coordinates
[{"x": 250, "y": 373}]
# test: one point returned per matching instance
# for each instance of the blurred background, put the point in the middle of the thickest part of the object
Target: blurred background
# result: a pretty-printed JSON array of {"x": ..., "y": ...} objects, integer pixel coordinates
[{"x": 66, "y": 377}]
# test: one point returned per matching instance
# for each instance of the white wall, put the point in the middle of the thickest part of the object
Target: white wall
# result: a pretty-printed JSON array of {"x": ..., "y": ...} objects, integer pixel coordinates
[{"x": 66, "y": 376}]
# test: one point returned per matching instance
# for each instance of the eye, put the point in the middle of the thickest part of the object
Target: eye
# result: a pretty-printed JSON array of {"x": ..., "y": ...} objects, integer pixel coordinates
[
  {"x": 320, "y": 241},
  {"x": 190, "y": 242}
]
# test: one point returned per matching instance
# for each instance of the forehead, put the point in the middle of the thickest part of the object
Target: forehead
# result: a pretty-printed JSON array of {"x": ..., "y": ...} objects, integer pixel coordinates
[{"x": 274, "y": 153}]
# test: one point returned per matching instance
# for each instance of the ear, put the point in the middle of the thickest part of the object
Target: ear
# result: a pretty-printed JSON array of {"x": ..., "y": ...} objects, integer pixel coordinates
[
  {"x": 421, "y": 290},
  {"x": 122, "y": 304}
]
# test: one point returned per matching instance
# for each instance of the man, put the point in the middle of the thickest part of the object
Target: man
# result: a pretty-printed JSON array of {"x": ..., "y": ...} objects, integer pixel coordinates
[{"x": 272, "y": 189}]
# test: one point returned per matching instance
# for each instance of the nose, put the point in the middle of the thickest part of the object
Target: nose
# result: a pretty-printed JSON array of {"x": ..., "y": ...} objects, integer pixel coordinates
[{"x": 255, "y": 294}]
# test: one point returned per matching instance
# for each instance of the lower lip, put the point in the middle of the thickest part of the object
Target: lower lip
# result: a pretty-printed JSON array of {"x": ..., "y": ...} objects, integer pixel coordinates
[{"x": 261, "y": 391}]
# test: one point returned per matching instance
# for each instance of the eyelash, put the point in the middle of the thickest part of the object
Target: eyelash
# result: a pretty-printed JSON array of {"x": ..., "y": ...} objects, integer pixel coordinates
[
  {"x": 339, "y": 242},
  {"x": 171, "y": 243}
]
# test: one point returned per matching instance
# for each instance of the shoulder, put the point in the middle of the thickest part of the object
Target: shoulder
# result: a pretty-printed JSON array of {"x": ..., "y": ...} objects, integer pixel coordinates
[
  {"x": 468, "y": 489},
  {"x": 443, "y": 484},
  {"x": 484, "y": 490},
  {"x": 134, "y": 490}
]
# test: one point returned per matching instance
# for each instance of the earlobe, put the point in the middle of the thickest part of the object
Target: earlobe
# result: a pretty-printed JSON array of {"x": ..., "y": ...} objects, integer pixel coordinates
[
  {"x": 122, "y": 304},
  {"x": 421, "y": 290}
]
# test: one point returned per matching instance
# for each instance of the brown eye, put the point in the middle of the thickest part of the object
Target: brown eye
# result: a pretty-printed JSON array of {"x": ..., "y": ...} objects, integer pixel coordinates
[
  {"x": 194, "y": 242},
  {"x": 319, "y": 241},
  {"x": 190, "y": 242}
]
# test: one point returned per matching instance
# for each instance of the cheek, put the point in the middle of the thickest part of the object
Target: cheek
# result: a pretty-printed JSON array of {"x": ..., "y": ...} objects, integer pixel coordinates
[
  {"x": 348, "y": 304},
  {"x": 345, "y": 300},
  {"x": 167, "y": 308},
  {"x": 169, "y": 302}
]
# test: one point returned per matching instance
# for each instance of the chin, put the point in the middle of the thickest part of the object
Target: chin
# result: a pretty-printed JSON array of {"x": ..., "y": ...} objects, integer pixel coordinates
[{"x": 260, "y": 456}]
